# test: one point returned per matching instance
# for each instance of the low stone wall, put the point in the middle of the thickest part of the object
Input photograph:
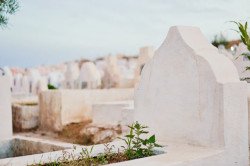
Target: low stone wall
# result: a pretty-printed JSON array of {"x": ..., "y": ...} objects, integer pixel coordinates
[
  {"x": 61, "y": 107},
  {"x": 24, "y": 116},
  {"x": 23, "y": 146}
]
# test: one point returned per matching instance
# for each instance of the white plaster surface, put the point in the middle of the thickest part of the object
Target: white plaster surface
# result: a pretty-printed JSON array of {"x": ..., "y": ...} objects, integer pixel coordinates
[
  {"x": 113, "y": 113},
  {"x": 192, "y": 99},
  {"x": 61, "y": 107},
  {"x": 24, "y": 116},
  {"x": 71, "y": 76},
  {"x": 90, "y": 75},
  {"x": 248, "y": 97},
  {"x": 146, "y": 53},
  {"x": 5, "y": 108},
  {"x": 44, "y": 147},
  {"x": 190, "y": 94}
]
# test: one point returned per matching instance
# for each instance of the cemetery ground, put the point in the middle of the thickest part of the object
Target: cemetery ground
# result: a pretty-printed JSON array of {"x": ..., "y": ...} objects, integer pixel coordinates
[
  {"x": 200, "y": 116},
  {"x": 71, "y": 133}
]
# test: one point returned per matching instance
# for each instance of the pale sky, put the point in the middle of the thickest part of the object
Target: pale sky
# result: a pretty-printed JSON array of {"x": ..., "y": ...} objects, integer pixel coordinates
[{"x": 53, "y": 31}]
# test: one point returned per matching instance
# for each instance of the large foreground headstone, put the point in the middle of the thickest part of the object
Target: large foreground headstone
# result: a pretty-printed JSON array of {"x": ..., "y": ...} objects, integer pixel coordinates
[
  {"x": 5, "y": 108},
  {"x": 190, "y": 95}
]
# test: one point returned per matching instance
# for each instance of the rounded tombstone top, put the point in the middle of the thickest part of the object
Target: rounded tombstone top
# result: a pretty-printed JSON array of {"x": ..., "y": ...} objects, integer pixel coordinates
[
  {"x": 89, "y": 72},
  {"x": 193, "y": 40}
]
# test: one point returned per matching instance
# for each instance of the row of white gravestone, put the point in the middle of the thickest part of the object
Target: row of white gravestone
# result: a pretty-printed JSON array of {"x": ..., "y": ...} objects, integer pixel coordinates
[
  {"x": 29, "y": 84},
  {"x": 192, "y": 99},
  {"x": 87, "y": 77},
  {"x": 190, "y": 95},
  {"x": 34, "y": 82},
  {"x": 111, "y": 72},
  {"x": 123, "y": 72}
]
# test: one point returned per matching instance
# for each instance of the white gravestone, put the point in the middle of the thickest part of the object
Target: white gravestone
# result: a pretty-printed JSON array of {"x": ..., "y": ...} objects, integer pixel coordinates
[
  {"x": 192, "y": 99},
  {"x": 145, "y": 54},
  {"x": 72, "y": 75},
  {"x": 89, "y": 77},
  {"x": 5, "y": 108}
]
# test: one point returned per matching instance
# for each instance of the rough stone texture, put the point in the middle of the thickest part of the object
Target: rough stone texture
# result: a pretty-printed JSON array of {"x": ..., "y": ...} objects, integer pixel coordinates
[
  {"x": 113, "y": 113},
  {"x": 50, "y": 105},
  {"x": 101, "y": 133},
  {"x": 89, "y": 77},
  {"x": 58, "y": 108},
  {"x": 24, "y": 99},
  {"x": 5, "y": 108},
  {"x": 24, "y": 117},
  {"x": 189, "y": 94}
]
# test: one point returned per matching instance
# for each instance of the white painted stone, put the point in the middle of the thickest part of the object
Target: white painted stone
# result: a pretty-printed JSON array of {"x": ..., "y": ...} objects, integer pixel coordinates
[
  {"x": 192, "y": 99},
  {"x": 113, "y": 113},
  {"x": 71, "y": 76},
  {"x": 7, "y": 72},
  {"x": 101, "y": 65},
  {"x": 227, "y": 54},
  {"x": 43, "y": 146},
  {"x": 33, "y": 148},
  {"x": 145, "y": 54},
  {"x": 112, "y": 72},
  {"x": 56, "y": 79},
  {"x": 89, "y": 77},
  {"x": 42, "y": 84},
  {"x": 24, "y": 116},
  {"x": 248, "y": 97},
  {"x": 126, "y": 82},
  {"x": 189, "y": 94},
  {"x": 33, "y": 78},
  {"x": 5, "y": 108},
  {"x": 61, "y": 107},
  {"x": 17, "y": 84}
]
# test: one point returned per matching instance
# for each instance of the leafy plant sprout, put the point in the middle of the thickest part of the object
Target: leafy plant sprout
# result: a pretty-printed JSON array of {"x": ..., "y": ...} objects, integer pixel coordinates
[
  {"x": 136, "y": 146},
  {"x": 244, "y": 35}
]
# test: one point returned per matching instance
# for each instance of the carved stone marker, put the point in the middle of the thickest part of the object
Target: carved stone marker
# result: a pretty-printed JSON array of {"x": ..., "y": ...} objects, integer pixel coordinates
[{"x": 191, "y": 97}]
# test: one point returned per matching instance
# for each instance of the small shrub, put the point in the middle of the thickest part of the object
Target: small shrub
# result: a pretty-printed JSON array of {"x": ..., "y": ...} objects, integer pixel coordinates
[
  {"x": 136, "y": 146},
  {"x": 51, "y": 86}
]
